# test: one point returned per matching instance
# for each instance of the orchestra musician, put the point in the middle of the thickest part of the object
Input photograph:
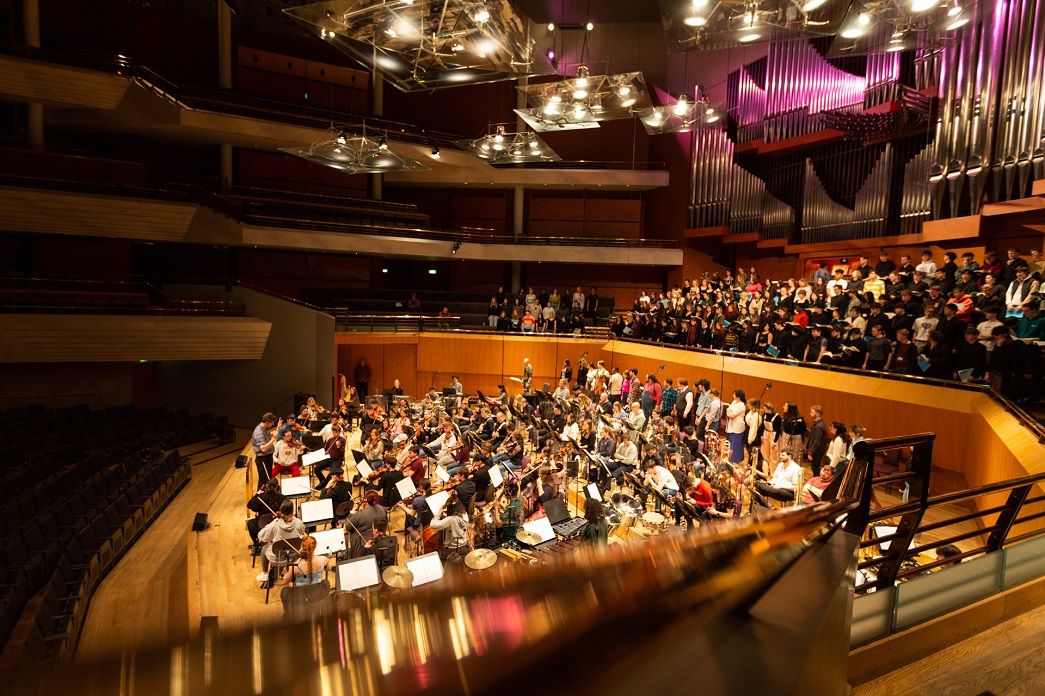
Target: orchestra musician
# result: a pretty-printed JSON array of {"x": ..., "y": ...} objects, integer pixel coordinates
[
  {"x": 418, "y": 514},
  {"x": 624, "y": 457},
  {"x": 337, "y": 489},
  {"x": 596, "y": 532},
  {"x": 284, "y": 526},
  {"x": 362, "y": 521},
  {"x": 263, "y": 443},
  {"x": 701, "y": 495},
  {"x": 785, "y": 479},
  {"x": 287, "y": 450},
  {"x": 452, "y": 521},
  {"x": 510, "y": 453},
  {"x": 374, "y": 449},
  {"x": 508, "y": 512},
  {"x": 335, "y": 451},
  {"x": 314, "y": 409},
  {"x": 414, "y": 467},
  {"x": 310, "y": 567},
  {"x": 384, "y": 547},
  {"x": 659, "y": 479},
  {"x": 265, "y": 502}
]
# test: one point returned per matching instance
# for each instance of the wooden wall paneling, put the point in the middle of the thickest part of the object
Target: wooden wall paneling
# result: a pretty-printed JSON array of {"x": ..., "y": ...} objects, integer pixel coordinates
[
  {"x": 556, "y": 209},
  {"x": 479, "y": 207},
  {"x": 542, "y": 354},
  {"x": 471, "y": 354},
  {"x": 555, "y": 228},
  {"x": 611, "y": 228},
  {"x": 611, "y": 209}
]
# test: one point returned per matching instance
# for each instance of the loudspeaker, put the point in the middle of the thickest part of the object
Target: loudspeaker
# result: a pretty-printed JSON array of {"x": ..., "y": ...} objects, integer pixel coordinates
[
  {"x": 241, "y": 461},
  {"x": 200, "y": 523}
]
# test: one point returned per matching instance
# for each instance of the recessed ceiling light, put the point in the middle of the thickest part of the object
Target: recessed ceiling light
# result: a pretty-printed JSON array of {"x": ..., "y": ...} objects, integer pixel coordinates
[
  {"x": 695, "y": 21},
  {"x": 750, "y": 37}
]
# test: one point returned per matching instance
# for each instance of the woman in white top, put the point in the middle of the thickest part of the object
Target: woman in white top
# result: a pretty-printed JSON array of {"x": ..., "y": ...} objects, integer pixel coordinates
[
  {"x": 736, "y": 426},
  {"x": 751, "y": 420},
  {"x": 570, "y": 430},
  {"x": 836, "y": 451}
]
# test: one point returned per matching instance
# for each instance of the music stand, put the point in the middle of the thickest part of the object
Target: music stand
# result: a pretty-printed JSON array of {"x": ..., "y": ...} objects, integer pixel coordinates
[
  {"x": 317, "y": 512},
  {"x": 330, "y": 541},
  {"x": 358, "y": 573}
]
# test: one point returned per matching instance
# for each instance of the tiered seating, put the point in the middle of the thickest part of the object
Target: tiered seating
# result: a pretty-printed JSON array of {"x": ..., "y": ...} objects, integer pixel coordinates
[
  {"x": 82, "y": 487},
  {"x": 470, "y": 306}
]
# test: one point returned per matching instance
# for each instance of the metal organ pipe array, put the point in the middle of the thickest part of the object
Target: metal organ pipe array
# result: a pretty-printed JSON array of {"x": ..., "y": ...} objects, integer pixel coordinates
[
  {"x": 989, "y": 137},
  {"x": 825, "y": 220}
]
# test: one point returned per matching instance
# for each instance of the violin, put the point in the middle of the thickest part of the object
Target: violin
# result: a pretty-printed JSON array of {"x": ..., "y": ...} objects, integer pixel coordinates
[{"x": 383, "y": 469}]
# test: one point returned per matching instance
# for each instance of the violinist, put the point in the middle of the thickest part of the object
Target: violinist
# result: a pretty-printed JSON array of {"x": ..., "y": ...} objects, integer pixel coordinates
[
  {"x": 386, "y": 483},
  {"x": 335, "y": 451},
  {"x": 337, "y": 488},
  {"x": 291, "y": 424},
  {"x": 452, "y": 521},
  {"x": 374, "y": 449},
  {"x": 371, "y": 419},
  {"x": 500, "y": 429},
  {"x": 287, "y": 450},
  {"x": 445, "y": 441},
  {"x": 414, "y": 468},
  {"x": 314, "y": 409},
  {"x": 481, "y": 479}
]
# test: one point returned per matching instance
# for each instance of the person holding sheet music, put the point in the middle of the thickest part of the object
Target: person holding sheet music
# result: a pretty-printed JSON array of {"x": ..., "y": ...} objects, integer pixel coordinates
[
  {"x": 310, "y": 567},
  {"x": 287, "y": 451},
  {"x": 284, "y": 526}
]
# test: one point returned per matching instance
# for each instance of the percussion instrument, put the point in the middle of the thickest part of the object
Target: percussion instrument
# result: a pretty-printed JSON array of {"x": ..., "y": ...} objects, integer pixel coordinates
[
  {"x": 625, "y": 505},
  {"x": 528, "y": 537},
  {"x": 653, "y": 518},
  {"x": 398, "y": 576},
  {"x": 480, "y": 559}
]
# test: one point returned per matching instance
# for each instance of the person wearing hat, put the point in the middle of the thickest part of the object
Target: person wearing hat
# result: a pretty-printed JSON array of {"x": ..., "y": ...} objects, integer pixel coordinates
[{"x": 337, "y": 489}]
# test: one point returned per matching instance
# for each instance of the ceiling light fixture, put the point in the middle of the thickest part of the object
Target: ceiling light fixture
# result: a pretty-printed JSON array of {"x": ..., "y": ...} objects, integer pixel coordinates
[
  {"x": 501, "y": 146},
  {"x": 811, "y": 5},
  {"x": 681, "y": 106},
  {"x": 589, "y": 26},
  {"x": 747, "y": 38},
  {"x": 410, "y": 42},
  {"x": 955, "y": 10},
  {"x": 591, "y": 99},
  {"x": 355, "y": 155},
  {"x": 959, "y": 21},
  {"x": 923, "y": 5}
]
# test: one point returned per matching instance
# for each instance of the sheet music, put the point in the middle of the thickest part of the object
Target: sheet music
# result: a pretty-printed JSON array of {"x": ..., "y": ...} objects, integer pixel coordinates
[
  {"x": 358, "y": 573},
  {"x": 426, "y": 568},
  {"x": 321, "y": 510},
  {"x": 440, "y": 472},
  {"x": 310, "y": 458},
  {"x": 593, "y": 492},
  {"x": 330, "y": 541},
  {"x": 496, "y": 478},
  {"x": 406, "y": 487},
  {"x": 364, "y": 469},
  {"x": 296, "y": 485},
  {"x": 541, "y": 527},
  {"x": 436, "y": 501}
]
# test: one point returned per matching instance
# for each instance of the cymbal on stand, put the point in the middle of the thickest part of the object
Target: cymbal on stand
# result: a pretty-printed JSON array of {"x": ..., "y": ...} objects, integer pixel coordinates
[
  {"x": 480, "y": 559},
  {"x": 528, "y": 538},
  {"x": 398, "y": 576}
]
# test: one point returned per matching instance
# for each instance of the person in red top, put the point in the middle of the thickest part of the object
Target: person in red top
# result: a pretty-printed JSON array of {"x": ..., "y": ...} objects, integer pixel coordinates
[
  {"x": 802, "y": 317},
  {"x": 699, "y": 491},
  {"x": 414, "y": 468},
  {"x": 964, "y": 304}
]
